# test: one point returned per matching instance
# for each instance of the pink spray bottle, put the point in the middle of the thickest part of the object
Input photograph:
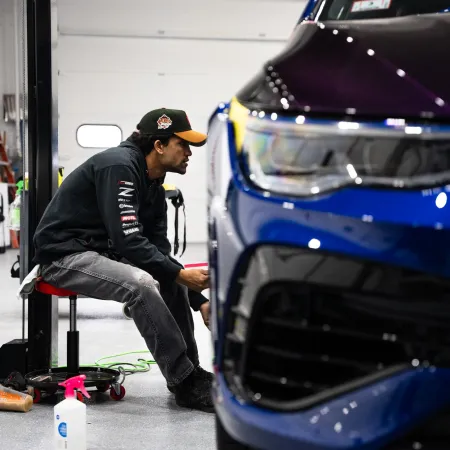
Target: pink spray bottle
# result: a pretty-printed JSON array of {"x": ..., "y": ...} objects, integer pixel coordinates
[{"x": 70, "y": 417}]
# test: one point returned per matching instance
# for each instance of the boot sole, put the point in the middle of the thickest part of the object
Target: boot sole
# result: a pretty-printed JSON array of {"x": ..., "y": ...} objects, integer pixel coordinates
[{"x": 206, "y": 409}]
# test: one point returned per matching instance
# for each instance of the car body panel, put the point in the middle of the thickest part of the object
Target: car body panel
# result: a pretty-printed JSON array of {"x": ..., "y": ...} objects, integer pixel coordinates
[
  {"x": 367, "y": 419},
  {"x": 364, "y": 68}
]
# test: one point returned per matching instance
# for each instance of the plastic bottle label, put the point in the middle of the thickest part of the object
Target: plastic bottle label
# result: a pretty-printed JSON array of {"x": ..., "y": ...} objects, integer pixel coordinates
[{"x": 62, "y": 429}]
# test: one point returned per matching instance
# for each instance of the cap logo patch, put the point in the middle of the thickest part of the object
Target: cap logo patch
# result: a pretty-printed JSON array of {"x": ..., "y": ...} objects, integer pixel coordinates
[{"x": 164, "y": 122}]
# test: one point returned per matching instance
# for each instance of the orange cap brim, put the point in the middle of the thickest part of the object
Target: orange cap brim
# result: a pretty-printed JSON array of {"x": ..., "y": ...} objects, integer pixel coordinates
[{"x": 195, "y": 138}]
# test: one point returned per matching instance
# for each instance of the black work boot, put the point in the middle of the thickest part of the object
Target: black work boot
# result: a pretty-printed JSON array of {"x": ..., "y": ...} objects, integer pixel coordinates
[
  {"x": 194, "y": 393},
  {"x": 202, "y": 375}
]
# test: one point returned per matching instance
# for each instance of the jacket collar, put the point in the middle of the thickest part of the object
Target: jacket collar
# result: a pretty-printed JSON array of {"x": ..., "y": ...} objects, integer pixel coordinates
[{"x": 142, "y": 163}]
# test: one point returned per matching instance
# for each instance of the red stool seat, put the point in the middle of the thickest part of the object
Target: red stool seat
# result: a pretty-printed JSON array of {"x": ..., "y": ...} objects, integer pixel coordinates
[
  {"x": 73, "y": 351},
  {"x": 45, "y": 288}
]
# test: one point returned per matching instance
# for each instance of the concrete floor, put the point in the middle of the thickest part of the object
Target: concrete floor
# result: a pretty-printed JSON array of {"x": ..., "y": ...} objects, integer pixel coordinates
[{"x": 148, "y": 416}]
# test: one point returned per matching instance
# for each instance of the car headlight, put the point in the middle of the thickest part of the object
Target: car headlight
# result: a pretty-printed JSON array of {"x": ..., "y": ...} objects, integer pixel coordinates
[{"x": 304, "y": 159}]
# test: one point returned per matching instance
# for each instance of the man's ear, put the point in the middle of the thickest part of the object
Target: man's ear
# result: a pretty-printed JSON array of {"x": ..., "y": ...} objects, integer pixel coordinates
[{"x": 159, "y": 147}]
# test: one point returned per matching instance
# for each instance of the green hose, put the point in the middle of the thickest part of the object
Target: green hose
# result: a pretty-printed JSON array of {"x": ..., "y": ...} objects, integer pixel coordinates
[{"x": 142, "y": 365}]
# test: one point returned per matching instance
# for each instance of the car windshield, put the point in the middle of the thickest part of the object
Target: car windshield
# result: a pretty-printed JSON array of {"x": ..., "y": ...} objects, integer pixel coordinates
[{"x": 377, "y": 9}]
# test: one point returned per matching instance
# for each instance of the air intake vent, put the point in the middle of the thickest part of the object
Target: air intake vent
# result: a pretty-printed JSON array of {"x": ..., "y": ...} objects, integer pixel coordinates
[
  {"x": 307, "y": 339},
  {"x": 338, "y": 325},
  {"x": 303, "y": 343}
]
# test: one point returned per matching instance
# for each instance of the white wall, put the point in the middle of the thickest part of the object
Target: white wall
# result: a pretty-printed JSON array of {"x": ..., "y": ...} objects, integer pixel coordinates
[
  {"x": 7, "y": 85},
  {"x": 119, "y": 59}
]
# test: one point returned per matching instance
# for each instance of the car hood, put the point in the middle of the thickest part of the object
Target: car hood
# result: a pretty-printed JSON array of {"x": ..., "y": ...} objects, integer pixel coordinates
[{"x": 391, "y": 67}]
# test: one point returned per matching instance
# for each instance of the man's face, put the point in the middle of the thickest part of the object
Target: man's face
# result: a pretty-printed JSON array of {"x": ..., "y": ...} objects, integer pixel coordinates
[{"x": 175, "y": 156}]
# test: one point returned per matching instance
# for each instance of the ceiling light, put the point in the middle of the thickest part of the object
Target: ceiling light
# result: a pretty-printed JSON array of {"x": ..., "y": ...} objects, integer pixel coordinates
[
  {"x": 314, "y": 244},
  {"x": 441, "y": 200}
]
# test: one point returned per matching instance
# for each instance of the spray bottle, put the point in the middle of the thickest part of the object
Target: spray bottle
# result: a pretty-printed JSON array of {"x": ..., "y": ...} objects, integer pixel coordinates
[
  {"x": 70, "y": 417},
  {"x": 14, "y": 209}
]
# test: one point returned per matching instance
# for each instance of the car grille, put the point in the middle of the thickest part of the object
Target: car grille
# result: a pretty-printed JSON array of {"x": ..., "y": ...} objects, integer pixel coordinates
[{"x": 302, "y": 342}]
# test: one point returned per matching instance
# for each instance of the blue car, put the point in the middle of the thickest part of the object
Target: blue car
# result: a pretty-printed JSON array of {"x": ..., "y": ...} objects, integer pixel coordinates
[{"x": 329, "y": 241}]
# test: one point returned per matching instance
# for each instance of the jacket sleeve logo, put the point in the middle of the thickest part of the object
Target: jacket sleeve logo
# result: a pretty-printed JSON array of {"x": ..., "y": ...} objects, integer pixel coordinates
[
  {"x": 164, "y": 122},
  {"x": 128, "y": 218},
  {"x": 131, "y": 231},
  {"x": 126, "y": 192},
  {"x": 130, "y": 224}
]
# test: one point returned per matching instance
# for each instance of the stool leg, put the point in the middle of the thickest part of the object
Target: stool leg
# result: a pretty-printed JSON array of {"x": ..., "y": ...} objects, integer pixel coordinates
[{"x": 73, "y": 353}]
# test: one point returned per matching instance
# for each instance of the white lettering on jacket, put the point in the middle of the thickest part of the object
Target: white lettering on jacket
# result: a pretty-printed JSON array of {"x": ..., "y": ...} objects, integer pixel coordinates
[
  {"x": 130, "y": 224},
  {"x": 126, "y": 192},
  {"x": 130, "y": 231}
]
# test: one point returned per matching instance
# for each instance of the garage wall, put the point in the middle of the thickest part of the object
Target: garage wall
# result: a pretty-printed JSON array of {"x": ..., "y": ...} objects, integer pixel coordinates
[
  {"x": 120, "y": 59},
  {"x": 6, "y": 63}
]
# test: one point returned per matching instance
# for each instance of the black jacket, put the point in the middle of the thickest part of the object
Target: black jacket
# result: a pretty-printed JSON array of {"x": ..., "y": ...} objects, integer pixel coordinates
[{"x": 109, "y": 205}]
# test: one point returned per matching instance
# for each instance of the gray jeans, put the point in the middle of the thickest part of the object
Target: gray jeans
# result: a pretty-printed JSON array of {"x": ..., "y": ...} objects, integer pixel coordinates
[{"x": 161, "y": 313}]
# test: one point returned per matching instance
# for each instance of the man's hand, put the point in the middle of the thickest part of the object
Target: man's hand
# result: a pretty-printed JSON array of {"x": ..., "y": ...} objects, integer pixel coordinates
[
  {"x": 205, "y": 311},
  {"x": 195, "y": 279}
]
